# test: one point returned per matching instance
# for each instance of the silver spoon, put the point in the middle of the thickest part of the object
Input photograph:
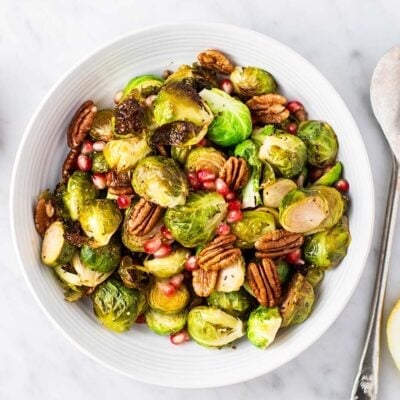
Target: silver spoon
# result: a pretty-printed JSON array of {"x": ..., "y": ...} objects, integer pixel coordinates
[{"x": 385, "y": 100}]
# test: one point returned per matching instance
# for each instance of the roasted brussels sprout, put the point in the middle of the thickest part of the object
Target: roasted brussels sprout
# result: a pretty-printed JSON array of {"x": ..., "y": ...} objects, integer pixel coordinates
[
  {"x": 160, "y": 180},
  {"x": 55, "y": 249},
  {"x": 116, "y": 306},
  {"x": 231, "y": 278},
  {"x": 132, "y": 275},
  {"x": 283, "y": 270},
  {"x": 321, "y": 142},
  {"x": 101, "y": 259},
  {"x": 252, "y": 226},
  {"x": 232, "y": 119},
  {"x": 212, "y": 327},
  {"x": 99, "y": 219},
  {"x": 79, "y": 189},
  {"x": 180, "y": 153},
  {"x": 179, "y": 102},
  {"x": 166, "y": 267},
  {"x": 205, "y": 158},
  {"x": 330, "y": 176},
  {"x": 196, "y": 76},
  {"x": 123, "y": 154},
  {"x": 274, "y": 193},
  {"x": 252, "y": 81},
  {"x": 286, "y": 153},
  {"x": 327, "y": 248},
  {"x": 72, "y": 291},
  {"x": 165, "y": 324},
  {"x": 142, "y": 86},
  {"x": 165, "y": 304},
  {"x": 195, "y": 222},
  {"x": 99, "y": 163},
  {"x": 236, "y": 303},
  {"x": 303, "y": 210},
  {"x": 251, "y": 192},
  {"x": 103, "y": 127},
  {"x": 259, "y": 134},
  {"x": 297, "y": 302},
  {"x": 314, "y": 275},
  {"x": 263, "y": 325}
]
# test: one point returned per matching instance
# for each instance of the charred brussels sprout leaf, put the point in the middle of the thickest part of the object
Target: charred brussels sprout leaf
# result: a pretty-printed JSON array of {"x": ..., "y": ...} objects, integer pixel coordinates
[
  {"x": 236, "y": 303},
  {"x": 162, "y": 303},
  {"x": 205, "y": 158},
  {"x": 142, "y": 86},
  {"x": 175, "y": 133},
  {"x": 132, "y": 275},
  {"x": 166, "y": 267},
  {"x": 286, "y": 153},
  {"x": 252, "y": 81},
  {"x": 327, "y": 248},
  {"x": 116, "y": 306},
  {"x": 232, "y": 121},
  {"x": 103, "y": 127},
  {"x": 263, "y": 325},
  {"x": 195, "y": 222},
  {"x": 165, "y": 324},
  {"x": 100, "y": 219},
  {"x": 321, "y": 141},
  {"x": 160, "y": 180},
  {"x": 212, "y": 327},
  {"x": 99, "y": 163},
  {"x": 130, "y": 117},
  {"x": 101, "y": 259},
  {"x": 196, "y": 76}
]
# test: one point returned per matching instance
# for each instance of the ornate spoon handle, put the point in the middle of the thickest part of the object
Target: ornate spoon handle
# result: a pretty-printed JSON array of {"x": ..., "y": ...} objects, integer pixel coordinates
[{"x": 366, "y": 382}]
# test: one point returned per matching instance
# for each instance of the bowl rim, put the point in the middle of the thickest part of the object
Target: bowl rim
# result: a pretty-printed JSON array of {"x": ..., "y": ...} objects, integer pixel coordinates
[{"x": 247, "y": 375}]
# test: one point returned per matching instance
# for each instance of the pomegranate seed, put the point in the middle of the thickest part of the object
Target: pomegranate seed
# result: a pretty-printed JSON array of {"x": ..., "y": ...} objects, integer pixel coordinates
[
  {"x": 226, "y": 86},
  {"x": 123, "y": 201},
  {"x": 150, "y": 100},
  {"x": 141, "y": 319},
  {"x": 118, "y": 96},
  {"x": 99, "y": 180},
  {"x": 166, "y": 233},
  {"x": 294, "y": 106},
  {"x": 205, "y": 175},
  {"x": 176, "y": 280},
  {"x": 84, "y": 162},
  {"x": 315, "y": 173},
  {"x": 234, "y": 216},
  {"x": 193, "y": 180},
  {"x": 87, "y": 147},
  {"x": 292, "y": 128},
  {"x": 230, "y": 196},
  {"x": 99, "y": 145},
  {"x": 342, "y": 185},
  {"x": 152, "y": 245},
  {"x": 221, "y": 187},
  {"x": 294, "y": 257},
  {"x": 166, "y": 287},
  {"x": 203, "y": 143},
  {"x": 179, "y": 337},
  {"x": 223, "y": 229},
  {"x": 163, "y": 251},
  {"x": 234, "y": 205},
  {"x": 208, "y": 185},
  {"x": 191, "y": 263}
]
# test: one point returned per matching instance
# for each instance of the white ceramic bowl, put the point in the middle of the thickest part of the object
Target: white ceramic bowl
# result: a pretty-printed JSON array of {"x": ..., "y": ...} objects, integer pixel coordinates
[{"x": 139, "y": 353}]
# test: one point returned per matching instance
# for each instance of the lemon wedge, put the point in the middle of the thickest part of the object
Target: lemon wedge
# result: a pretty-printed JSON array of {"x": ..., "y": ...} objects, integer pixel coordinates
[{"x": 393, "y": 333}]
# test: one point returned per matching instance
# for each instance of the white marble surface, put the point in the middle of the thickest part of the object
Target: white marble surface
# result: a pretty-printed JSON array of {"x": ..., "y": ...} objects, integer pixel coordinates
[{"x": 39, "y": 40}]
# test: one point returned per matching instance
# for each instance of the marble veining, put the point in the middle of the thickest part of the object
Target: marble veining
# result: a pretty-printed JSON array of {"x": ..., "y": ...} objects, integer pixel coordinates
[{"x": 40, "y": 40}]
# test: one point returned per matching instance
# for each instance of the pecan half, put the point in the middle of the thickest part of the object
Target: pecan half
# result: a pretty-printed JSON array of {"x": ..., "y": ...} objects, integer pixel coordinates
[
  {"x": 81, "y": 124},
  {"x": 69, "y": 165},
  {"x": 268, "y": 108},
  {"x": 235, "y": 172},
  {"x": 119, "y": 184},
  {"x": 44, "y": 214},
  {"x": 204, "y": 282},
  {"x": 144, "y": 217},
  {"x": 129, "y": 117},
  {"x": 215, "y": 60},
  {"x": 278, "y": 243},
  {"x": 264, "y": 281},
  {"x": 219, "y": 253}
]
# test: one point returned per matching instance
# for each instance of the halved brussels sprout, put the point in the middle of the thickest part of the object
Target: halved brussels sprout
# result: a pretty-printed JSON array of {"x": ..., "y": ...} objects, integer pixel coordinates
[
  {"x": 286, "y": 153},
  {"x": 101, "y": 259},
  {"x": 116, "y": 306},
  {"x": 171, "y": 304},
  {"x": 236, "y": 303},
  {"x": 283, "y": 270},
  {"x": 327, "y": 248},
  {"x": 263, "y": 325},
  {"x": 79, "y": 189},
  {"x": 99, "y": 219},
  {"x": 55, "y": 249},
  {"x": 274, "y": 193},
  {"x": 251, "y": 192},
  {"x": 195, "y": 222},
  {"x": 314, "y": 275},
  {"x": 123, "y": 154},
  {"x": 303, "y": 210},
  {"x": 103, "y": 127},
  {"x": 231, "y": 278},
  {"x": 99, "y": 163},
  {"x": 232, "y": 119},
  {"x": 160, "y": 180},
  {"x": 72, "y": 291},
  {"x": 165, "y": 324},
  {"x": 252, "y": 81},
  {"x": 132, "y": 275},
  {"x": 166, "y": 267},
  {"x": 321, "y": 141},
  {"x": 196, "y": 76},
  {"x": 180, "y": 153},
  {"x": 180, "y": 102},
  {"x": 212, "y": 327},
  {"x": 205, "y": 158},
  {"x": 297, "y": 302},
  {"x": 142, "y": 86},
  {"x": 268, "y": 174},
  {"x": 259, "y": 134},
  {"x": 252, "y": 226},
  {"x": 331, "y": 176}
]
